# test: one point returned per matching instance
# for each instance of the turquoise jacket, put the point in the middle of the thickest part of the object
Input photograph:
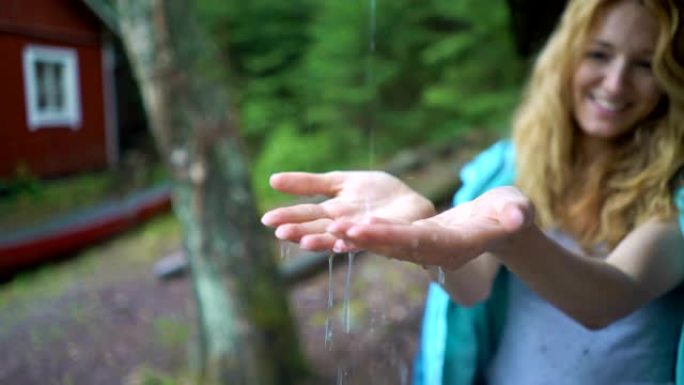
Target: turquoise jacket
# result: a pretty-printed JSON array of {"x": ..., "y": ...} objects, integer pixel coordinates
[{"x": 456, "y": 342}]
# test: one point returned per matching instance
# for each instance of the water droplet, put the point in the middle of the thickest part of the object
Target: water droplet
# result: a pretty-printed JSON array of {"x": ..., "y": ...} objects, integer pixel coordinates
[
  {"x": 341, "y": 374},
  {"x": 403, "y": 372},
  {"x": 284, "y": 249},
  {"x": 372, "y": 25},
  {"x": 328, "y": 321},
  {"x": 347, "y": 289}
]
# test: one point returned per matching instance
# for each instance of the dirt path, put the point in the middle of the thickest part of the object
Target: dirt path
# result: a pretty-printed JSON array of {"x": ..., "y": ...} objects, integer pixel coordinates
[
  {"x": 386, "y": 301},
  {"x": 117, "y": 322}
]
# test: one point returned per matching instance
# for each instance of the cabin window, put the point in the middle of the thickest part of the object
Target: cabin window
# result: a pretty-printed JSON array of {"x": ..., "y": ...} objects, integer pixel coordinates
[{"x": 51, "y": 87}]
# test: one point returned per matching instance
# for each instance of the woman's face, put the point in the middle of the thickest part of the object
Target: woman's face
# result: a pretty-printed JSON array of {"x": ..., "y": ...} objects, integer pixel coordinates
[{"x": 614, "y": 87}]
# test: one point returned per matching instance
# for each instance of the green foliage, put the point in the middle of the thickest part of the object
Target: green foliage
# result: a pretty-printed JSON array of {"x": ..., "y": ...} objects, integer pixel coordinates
[
  {"x": 315, "y": 81},
  {"x": 22, "y": 183},
  {"x": 263, "y": 42},
  {"x": 31, "y": 201},
  {"x": 286, "y": 149},
  {"x": 28, "y": 200}
]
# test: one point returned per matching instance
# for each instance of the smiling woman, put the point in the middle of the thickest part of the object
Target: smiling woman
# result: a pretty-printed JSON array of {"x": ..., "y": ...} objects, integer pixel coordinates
[{"x": 574, "y": 274}]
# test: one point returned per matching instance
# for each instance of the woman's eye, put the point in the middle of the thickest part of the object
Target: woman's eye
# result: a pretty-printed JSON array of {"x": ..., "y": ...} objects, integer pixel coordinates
[
  {"x": 643, "y": 64},
  {"x": 597, "y": 55}
]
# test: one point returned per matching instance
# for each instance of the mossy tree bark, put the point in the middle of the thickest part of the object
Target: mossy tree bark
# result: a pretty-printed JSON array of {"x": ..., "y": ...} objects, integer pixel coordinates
[{"x": 246, "y": 333}]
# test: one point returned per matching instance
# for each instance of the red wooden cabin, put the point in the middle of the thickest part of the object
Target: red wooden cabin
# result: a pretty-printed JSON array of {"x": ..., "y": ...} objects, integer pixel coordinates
[
  {"x": 57, "y": 97},
  {"x": 60, "y": 64}
]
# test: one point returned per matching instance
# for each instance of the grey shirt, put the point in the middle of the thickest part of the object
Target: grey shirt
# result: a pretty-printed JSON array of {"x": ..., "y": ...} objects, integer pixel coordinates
[{"x": 540, "y": 345}]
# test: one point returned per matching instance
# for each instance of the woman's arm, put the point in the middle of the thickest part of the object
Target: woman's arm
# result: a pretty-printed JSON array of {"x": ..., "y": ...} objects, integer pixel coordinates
[
  {"x": 596, "y": 292},
  {"x": 456, "y": 240},
  {"x": 471, "y": 283}
]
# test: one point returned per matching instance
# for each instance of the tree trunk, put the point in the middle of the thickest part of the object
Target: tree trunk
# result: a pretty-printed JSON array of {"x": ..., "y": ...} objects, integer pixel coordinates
[{"x": 246, "y": 334}]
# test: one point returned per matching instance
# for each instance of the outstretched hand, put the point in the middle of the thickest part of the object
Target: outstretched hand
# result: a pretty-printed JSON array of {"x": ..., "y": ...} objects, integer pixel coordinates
[
  {"x": 353, "y": 196},
  {"x": 449, "y": 239}
]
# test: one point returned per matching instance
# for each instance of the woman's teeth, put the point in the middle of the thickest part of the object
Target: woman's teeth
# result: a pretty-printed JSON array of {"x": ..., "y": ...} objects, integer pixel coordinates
[{"x": 608, "y": 104}]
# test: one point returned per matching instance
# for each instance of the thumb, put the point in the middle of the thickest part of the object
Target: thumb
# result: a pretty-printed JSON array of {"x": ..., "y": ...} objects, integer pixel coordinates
[{"x": 516, "y": 216}]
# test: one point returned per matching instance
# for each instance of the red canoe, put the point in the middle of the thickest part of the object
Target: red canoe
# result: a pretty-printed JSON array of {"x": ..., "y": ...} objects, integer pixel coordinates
[{"x": 80, "y": 229}]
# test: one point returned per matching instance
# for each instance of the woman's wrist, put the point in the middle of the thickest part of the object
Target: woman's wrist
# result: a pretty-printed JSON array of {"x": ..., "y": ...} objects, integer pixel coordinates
[{"x": 516, "y": 244}]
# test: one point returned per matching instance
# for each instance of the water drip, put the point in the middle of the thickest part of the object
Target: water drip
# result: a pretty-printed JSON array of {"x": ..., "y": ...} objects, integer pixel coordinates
[
  {"x": 371, "y": 45},
  {"x": 341, "y": 374},
  {"x": 284, "y": 249},
  {"x": 370, "y": 81},
  {"x": 328, "y": 321},
  {"x": 347, "y": 287}
]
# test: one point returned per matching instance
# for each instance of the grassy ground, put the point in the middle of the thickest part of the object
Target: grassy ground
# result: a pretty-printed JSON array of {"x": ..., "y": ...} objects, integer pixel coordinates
[
  {"x": 98, "y": 317},
  {"x": 140, "y": 247},
  {"x": 28, "y": 201},
  {"x": 102, "y": 318}
]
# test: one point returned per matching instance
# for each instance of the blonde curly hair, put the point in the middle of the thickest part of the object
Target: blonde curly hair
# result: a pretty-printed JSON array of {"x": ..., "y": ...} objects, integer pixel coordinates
[{"x": 628, "y": 185}]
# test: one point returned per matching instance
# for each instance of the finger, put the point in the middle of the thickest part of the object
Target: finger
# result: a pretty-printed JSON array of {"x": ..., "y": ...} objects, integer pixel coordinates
[
  {"x": 399, "y": 235},
  {"x": 516, "y": 216},
  {"x": 341, "y": 246},
  {"x": 294, "y": 214},
  {"x": 387, "y": 239},
  {"x": 304, "y": 183},
  {"x": 317, "y": 242},
  {"x": 430, "y": 245},
  {"x": 384, "y": 221},
  {"x": 293, "y": 232},
  {"x": 339, "y": 228},
  {"x": 512, "y": 218}
]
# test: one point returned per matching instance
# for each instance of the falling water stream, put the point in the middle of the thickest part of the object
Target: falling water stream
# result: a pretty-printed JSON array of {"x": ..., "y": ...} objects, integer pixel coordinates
[
  {"x": 347, "y": 286},
  {"x": 328, "y": 321},
  {"x": 284, "y": 249},
  {"x": 342, "y": 373},
  {"x": 370, "y": 83}
]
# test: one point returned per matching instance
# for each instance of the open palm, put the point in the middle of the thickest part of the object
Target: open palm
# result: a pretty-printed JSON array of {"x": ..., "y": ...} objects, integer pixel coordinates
[
  {"x": 449, "y": 239},
  {"x": 352, "y": 196}
]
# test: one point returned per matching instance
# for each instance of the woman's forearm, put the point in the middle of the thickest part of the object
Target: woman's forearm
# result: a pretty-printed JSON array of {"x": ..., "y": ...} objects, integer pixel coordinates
[
  {"x": 472, "y": 282},
  {"x": 593, "y": 291}
]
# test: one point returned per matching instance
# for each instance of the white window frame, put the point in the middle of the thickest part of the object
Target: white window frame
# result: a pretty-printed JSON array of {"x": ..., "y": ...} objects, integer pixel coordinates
[{"x": 69, "y": 115}]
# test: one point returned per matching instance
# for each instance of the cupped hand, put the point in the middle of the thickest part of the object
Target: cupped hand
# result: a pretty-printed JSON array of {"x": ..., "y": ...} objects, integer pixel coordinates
[
  {"x": 352, "y": 196},
  {"x": 449, "y": 239}
]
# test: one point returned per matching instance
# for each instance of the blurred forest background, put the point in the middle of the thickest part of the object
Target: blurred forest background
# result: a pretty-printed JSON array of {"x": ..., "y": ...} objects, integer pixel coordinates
[
  {"x": 320, "y": 85},
  {"x": 315, "y": 85}
]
